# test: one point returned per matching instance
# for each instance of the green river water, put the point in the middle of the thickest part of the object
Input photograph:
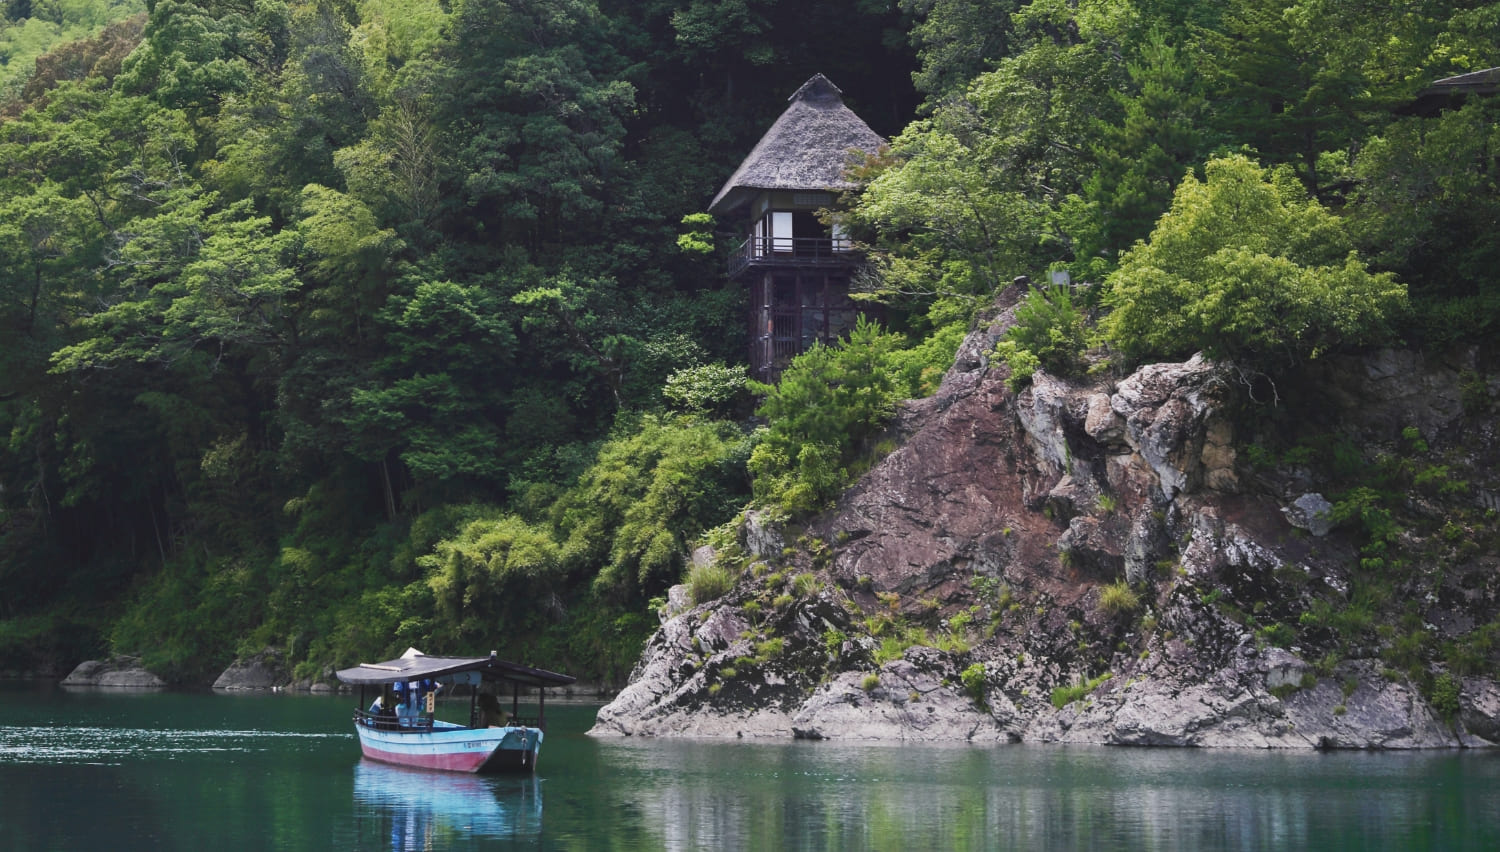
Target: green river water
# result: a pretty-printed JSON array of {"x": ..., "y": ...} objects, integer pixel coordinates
[{"x": 95, "y": 770}]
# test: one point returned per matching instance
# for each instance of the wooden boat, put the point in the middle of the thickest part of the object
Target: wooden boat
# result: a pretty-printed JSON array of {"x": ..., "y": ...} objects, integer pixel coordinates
[{"x": 401, "y": 727}]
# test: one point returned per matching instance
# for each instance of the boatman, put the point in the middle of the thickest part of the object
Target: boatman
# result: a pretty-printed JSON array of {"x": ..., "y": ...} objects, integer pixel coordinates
[{"x": 490, "y": 714}]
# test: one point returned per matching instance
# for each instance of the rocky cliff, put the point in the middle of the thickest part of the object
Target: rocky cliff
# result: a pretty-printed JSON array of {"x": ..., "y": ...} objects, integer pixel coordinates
[{"x": 1183, "y": 556}]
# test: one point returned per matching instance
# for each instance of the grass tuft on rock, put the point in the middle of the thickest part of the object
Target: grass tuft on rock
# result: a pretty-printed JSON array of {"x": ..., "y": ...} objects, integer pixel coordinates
[
  {"x": 709, "y": 582},
  {"x": 1118, "y": 598}
]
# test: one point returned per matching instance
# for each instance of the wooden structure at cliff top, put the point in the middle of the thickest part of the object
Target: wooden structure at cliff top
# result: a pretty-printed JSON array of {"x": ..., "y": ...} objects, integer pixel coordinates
[{"x": 796, "y": 268}]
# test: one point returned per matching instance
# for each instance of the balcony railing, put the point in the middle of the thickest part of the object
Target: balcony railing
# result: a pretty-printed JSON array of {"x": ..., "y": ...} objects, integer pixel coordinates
[{"x": 791, "y": 251}]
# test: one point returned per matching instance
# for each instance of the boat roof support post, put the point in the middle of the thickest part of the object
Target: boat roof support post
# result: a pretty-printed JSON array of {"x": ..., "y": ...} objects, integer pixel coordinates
[
  {"x": 515, "y": 698},
  {"x": 541, "y": 707}
]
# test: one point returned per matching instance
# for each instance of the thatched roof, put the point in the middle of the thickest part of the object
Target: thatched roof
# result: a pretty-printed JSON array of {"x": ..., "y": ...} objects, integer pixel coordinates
[
  {"x": 806, "y": 149},
  {"x": 1450, "y": 92},
  {"x": 1479, "y": 82}
]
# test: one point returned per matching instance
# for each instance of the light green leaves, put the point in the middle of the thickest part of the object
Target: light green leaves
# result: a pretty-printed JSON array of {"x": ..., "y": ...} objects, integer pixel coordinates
[{"x": 1244, "y": 267}]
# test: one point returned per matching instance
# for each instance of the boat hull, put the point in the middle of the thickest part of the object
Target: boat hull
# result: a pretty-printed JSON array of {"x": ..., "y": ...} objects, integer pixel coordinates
[{"x": 454, "y": 749}]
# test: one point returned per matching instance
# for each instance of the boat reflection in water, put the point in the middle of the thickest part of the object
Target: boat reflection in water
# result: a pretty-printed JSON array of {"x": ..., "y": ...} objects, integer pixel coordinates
[{"x": 429, "y": 810}]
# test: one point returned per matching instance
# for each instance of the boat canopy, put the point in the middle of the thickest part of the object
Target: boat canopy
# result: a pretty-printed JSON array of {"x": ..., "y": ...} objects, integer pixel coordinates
[{"x": 453, "y": 669}]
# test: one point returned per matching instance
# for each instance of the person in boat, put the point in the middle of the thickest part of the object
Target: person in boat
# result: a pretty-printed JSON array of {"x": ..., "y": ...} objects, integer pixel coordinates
[
  {"x": 383, "y": 711},
  {"x": 406, "y": 706},
  {"x": 490, "y": 714}
]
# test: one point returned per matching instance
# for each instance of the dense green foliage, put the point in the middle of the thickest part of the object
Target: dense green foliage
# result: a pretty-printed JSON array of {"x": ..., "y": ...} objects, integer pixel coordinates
[
  {"x": 1048, "y": 332},
  {"x": 1244, "y": 268},
  {"x": 342, "y": 327},
  {"x": 823, "y": 414},
  {"x": 1070, "y": 143}
]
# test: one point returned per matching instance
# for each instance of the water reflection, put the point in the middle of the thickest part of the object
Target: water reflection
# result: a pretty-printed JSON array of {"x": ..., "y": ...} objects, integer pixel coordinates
[
  {"x": 437, "y": 810},
  {"x": 696, "y": 795}
]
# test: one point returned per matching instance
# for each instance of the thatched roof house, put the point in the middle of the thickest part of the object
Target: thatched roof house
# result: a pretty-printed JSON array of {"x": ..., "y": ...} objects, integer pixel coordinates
[
  {"x": 795, "y": 265},
  {"x": 807, "y": 149}
]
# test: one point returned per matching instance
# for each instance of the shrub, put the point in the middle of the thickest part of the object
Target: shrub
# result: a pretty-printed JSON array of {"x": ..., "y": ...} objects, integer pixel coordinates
[
  {"x": 973, "y": 681},
  {"x": 870, "y": 681},
  {"x": 1048, "y": 333},
  {"x": 919, "y": 370},
  {"x": 488, "y": 563},
  {"x": 1365, "y": 505},
  {"x": 962, "y": 620},
  {"x": 1445, "y": 695},
  {"x": 829, "y": 402},
  {"x": 709, "y": 388},
  {"x": 1023, "y": 363},
  {"x": 833, "y": 641},
  {"x": 654, "y": 487},
  {"x": 1280, "y": 635}
]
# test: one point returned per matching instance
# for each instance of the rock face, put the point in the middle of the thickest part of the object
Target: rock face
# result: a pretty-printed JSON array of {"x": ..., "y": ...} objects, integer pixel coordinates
[
  {"x": 1311, "y": 512},
  {"x": 1113, "y": 563},
  {"x": 262, "y": 671},
  {"x": 121, "y": 672}
]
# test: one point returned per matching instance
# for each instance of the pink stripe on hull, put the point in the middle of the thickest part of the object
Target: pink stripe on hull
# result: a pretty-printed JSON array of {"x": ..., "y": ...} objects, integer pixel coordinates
[{"x": 453, "y": 762}]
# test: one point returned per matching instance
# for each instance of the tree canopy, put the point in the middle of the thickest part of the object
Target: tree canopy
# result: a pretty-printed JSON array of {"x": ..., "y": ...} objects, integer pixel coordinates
[
  {"x": 373, "y": 317},
  {"x": 1244, "y": 267}
]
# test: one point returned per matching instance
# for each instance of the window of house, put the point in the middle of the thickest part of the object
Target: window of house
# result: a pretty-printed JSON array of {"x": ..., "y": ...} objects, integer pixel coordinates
[
  {"x": 841, "y": 241},
  {"x": 781, "y": 230}
]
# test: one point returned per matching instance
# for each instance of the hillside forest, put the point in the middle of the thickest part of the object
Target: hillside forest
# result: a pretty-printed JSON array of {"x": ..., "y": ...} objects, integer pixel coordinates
[{"x": 337, "y": 327}]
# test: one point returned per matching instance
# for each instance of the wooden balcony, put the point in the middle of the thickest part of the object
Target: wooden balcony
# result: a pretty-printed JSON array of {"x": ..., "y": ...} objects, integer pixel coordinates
[{"x": 793, "y": 251}]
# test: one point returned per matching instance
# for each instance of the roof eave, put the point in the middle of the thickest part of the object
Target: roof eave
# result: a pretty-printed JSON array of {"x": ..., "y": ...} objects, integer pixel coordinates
[{"x": 435, "y": 667}]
